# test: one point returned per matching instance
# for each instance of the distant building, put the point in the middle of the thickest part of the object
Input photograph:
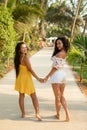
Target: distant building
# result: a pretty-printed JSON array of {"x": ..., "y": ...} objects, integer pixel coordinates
[{"x": 51, "y": 40}]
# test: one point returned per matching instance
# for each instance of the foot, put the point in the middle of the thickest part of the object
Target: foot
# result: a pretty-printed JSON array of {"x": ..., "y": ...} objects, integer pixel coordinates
[
  {"x": 57, "y": 116},
  {"x": 38, "y": 117},
  {"x": 24, "y": 115},
  {"x": 67, "y": 118}
]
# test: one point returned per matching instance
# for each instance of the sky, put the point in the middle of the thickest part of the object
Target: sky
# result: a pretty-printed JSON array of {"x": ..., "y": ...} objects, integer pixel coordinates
[{"x": 67, "y": 1}]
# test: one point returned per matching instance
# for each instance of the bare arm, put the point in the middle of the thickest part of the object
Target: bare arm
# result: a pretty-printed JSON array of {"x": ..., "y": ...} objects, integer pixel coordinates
[
  {"x": 56, "y": 66},
  {"x": 52, "y": 71}
]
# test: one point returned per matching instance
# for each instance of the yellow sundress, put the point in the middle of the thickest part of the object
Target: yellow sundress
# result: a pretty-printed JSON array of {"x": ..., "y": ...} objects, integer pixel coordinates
[{"x": 24, "y": 82}]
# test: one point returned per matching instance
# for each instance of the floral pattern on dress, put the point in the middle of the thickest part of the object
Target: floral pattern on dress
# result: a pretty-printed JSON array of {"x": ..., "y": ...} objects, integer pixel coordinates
[{"x": 58, "y": 62}]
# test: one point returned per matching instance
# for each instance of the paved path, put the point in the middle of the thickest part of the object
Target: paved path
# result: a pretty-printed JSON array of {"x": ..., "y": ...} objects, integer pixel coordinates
[{"x": 9, "y": 108}]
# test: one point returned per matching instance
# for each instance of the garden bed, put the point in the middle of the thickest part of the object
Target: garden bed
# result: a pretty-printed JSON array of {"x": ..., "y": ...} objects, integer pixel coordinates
[{"x": 82, "y": 86}]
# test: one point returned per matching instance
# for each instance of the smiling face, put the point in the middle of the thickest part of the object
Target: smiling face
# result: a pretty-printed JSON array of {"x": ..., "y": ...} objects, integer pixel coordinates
[
  {"x": 23, "y": 49},
  {"x": 60, "y": 45}
]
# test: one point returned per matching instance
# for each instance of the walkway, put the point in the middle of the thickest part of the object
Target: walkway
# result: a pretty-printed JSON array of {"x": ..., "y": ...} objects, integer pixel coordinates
[{"x": 9, "y": 108}]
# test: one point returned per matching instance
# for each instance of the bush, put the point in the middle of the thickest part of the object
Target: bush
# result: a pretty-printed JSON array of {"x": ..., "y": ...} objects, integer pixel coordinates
[
  {"x": 7, "y": 33},
  {"x": 7, "y": 36}
]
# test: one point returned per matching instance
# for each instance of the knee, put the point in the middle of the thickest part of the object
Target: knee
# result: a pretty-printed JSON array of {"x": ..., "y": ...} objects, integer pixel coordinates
[
  {"x": 58, "y": 98},
  {"x": 62, "y": 99},
  {"x": 33, "y": 96}
]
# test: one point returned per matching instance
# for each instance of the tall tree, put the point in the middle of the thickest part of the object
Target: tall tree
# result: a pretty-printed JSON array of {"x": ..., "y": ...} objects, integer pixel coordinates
[
  {"x": 6, "y": 2},
  {"x": 74, "y": 22},
  {"x": 44, "y": 5},
  {"x": 27, "y": 20},
  {"x": 60, "y": 14},
  {"x": 85, "y": 25},
  {"x": 17, "y": 2}
]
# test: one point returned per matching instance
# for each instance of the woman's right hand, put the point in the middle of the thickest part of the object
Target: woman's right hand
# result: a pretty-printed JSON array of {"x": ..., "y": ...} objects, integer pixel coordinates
[
  {"x": 41, "y": 80},
  {"x": 45, "y": 79}
]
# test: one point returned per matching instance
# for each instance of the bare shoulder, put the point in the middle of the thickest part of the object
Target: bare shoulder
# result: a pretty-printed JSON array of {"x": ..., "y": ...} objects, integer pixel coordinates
[
  {"x": 61, "y": 54},
  {"x": 27, "y": 61},
  {"x": 26, "y": 57}
]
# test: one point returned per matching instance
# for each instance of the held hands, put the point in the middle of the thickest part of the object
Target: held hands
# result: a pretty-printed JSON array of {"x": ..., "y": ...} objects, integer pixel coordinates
[{"x": 43, "y": 80}]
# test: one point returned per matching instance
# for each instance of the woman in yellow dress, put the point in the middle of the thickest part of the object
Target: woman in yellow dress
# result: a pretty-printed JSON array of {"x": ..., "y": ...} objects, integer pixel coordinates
[{"x": 24, "y": 83}]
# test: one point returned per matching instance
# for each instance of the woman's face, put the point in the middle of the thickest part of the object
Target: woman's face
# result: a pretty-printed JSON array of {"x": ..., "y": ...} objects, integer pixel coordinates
[
  {"x": 59, "y": 45},
  {"x": 23, "y": 49}
]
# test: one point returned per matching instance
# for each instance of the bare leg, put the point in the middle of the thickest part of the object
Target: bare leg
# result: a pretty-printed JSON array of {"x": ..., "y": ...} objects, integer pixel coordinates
[
  {"x": 63, "y": 102},
  {"x": 36, "y": 105},
  {"x": 57, "y": 94},
  {"x": 21, "y": 104}
]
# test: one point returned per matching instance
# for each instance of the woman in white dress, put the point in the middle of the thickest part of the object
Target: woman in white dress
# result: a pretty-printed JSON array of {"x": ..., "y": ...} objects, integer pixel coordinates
[{"x": 57, "y": 74}]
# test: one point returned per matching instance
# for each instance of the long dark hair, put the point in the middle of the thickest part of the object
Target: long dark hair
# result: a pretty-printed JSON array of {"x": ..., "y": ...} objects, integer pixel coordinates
[
  {"x": 17, "y": 57},
  {"x": 65, "y": 42}
]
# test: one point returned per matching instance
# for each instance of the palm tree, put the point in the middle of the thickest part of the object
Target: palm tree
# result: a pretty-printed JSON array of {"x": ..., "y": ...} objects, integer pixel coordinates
[
  {"x": 6, "y": 2},
  {"x": 17, "y": 2},
  {"x": 44, "y": 6},
  {"x": 85, "y": 25},
  {"x": 81, "y": 43},
  {"x": 28, "y": 16},
  {"x": 60, "y": 14},
  {"x": 75, "y": 18}
]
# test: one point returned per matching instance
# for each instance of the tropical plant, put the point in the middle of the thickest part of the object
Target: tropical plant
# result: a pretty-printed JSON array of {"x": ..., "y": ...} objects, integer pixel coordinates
[
  {"x": 7, "y": 37},
  {"x": 26, "y": 20},
  {"x": 85, "y": 25},
  {"x": 74, "y": 55},
  {"x": 60, "y": 14},
  {"x": 81, "y": 43},
  {"x": 57, "y": 13},
  {"x": 75, "y": 18},
  {"x": 63, "y": 13},
  {"x": 56, "y": 31}
]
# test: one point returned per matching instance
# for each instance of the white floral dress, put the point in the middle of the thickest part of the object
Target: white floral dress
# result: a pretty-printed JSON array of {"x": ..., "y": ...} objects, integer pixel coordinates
[{"x": 60, "y": 75}]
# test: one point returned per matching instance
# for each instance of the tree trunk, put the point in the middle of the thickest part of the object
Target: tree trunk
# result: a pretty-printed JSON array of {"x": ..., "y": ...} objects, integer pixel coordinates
[
  {"x": 84, "y": 28},
  {"x": 44, "y": 6},
  {"x": 17, "y": 2},
  {"x": 24, "y": 34},
  {"x": 42, "y": 28},
  {"x": 6, "y": 2},
  {"x": 73, "y": 27},
  {"x": 81, "y": 73}
]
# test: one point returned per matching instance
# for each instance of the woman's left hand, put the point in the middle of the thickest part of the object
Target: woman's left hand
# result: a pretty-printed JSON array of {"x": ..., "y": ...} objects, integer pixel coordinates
[{"x": 41, "y": 80}]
